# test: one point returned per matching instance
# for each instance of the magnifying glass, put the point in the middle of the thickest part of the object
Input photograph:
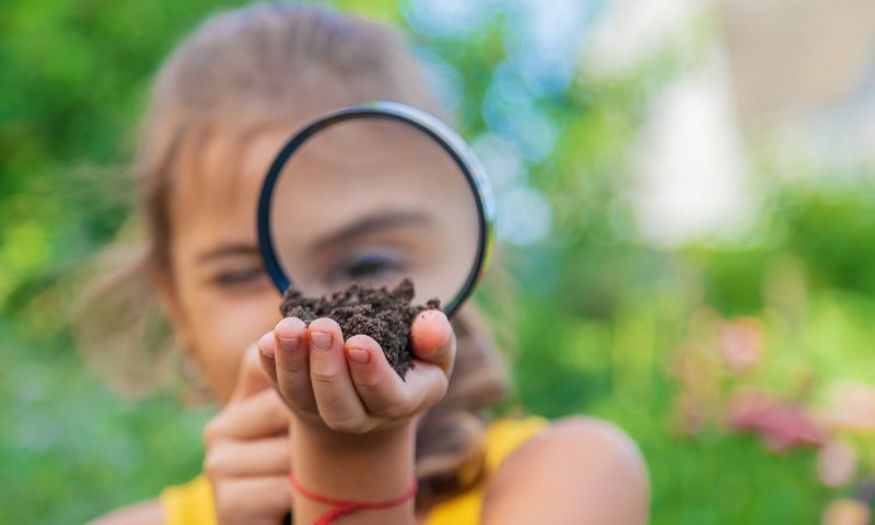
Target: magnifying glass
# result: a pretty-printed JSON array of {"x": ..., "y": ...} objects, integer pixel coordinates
[{"x": 372, "y": 194}]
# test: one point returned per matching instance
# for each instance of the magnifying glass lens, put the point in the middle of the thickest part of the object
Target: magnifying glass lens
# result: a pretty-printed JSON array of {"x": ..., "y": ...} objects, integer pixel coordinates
[{"x": 371, "y": 201}]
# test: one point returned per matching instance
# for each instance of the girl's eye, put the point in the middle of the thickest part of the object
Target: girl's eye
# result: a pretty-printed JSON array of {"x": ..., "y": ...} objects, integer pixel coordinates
[
  {"x": 237, "y": 277},
  {"x": 369, "y": 267}
]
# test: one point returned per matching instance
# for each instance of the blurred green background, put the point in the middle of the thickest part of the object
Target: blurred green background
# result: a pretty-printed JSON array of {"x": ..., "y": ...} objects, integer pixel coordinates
[{"x": 668, "y": 340}]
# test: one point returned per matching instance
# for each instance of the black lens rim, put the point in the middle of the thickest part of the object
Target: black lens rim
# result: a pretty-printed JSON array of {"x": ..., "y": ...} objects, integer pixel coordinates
[{"x": 448, "y": 139}]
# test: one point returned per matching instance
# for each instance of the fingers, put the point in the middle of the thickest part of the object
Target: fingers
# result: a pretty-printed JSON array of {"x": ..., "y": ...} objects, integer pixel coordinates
[
  {"x": 253, "y": 500},
  {"x": 310, "y": 371},
  {"x": 378, "y": 385},
  {"x": 247, "y": 458},
  {"x": 267, "y": 346},
  {"x": 383, "y": 393},
  {"x": 251, "y": 378},
  {"x": 336, "y": 398},
  {"x": 433, "y": 339},
  {"x": 265, "y": 457},
  {"x": 285, "y": 355},
  {"x": 261, "y": 415}
]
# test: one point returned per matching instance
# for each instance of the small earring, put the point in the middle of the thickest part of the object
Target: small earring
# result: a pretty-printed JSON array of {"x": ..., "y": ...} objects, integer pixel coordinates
[{"x": 195, "y": 389}]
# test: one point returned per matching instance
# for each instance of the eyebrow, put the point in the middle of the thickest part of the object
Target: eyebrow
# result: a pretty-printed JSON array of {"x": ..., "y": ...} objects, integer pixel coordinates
[
  {"x": 228, "y": 250},
  {"x": 369, "y": 224}
]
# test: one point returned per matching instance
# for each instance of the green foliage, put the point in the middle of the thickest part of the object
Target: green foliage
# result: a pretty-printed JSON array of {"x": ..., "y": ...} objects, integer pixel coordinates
[{"x": 599, "y": 320}]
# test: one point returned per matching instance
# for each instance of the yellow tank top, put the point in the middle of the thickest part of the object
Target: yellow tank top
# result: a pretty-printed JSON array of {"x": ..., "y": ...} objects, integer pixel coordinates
[{"x": 192, "y": 503}]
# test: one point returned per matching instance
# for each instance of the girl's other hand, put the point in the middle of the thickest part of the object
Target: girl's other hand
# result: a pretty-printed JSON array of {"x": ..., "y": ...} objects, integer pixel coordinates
[
  {"x": 348, "y": 387},
  {"x": 247, "y": 458}
]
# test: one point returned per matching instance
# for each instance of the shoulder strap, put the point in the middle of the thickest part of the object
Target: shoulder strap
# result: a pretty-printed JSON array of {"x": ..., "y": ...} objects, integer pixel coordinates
[
  {"x": 502, "y": 438},
  {"x": 189, "y": 504},
  {"x": 506, "y": 435}
]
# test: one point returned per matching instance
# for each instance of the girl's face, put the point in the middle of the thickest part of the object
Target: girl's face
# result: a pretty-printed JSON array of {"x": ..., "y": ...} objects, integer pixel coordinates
[{"x": 352, "y": 205}]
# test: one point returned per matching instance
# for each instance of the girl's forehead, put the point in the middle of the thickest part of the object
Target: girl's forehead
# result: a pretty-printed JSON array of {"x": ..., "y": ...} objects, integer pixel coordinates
[
  {"x": 358, "y": 170},
  {"x": 218, "y": 173},
  {"x": 222, "y": 154}
]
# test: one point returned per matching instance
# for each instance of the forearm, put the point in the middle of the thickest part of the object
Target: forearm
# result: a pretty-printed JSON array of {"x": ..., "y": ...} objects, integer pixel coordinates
[{"x": 370, "y": 467}]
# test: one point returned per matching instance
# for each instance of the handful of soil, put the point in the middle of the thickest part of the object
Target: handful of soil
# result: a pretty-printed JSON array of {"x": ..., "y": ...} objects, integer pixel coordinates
[{"x": 383, "y": 314}]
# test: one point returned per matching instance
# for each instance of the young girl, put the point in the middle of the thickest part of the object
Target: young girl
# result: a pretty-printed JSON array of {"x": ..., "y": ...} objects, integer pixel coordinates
[{"x": 310, "y": 421}]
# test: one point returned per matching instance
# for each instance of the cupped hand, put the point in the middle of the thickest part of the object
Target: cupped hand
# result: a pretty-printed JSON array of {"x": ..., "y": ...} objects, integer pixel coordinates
[{"x": 348, "y": 386}]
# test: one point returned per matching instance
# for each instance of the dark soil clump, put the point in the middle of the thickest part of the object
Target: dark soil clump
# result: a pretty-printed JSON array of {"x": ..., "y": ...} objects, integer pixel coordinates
[{"x": 385, "y": 315}]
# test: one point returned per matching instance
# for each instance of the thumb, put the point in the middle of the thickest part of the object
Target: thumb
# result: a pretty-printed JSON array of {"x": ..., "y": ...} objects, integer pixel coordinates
[
  {"x": 434, "y": 340},
  {"x": 251, "y": 378}
]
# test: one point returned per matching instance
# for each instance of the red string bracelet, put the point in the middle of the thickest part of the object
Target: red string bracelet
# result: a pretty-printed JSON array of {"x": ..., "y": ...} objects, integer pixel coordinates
[{"x": 344, "y": 507}]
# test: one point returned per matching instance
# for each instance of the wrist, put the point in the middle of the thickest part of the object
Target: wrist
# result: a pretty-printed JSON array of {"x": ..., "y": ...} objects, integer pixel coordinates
[
  {"x": 315, "y": 435},
  {"x": 371, "y": 466}
]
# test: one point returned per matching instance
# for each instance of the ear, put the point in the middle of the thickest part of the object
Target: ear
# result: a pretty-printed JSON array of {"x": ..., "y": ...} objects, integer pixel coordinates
[{"x": 166, "y": 293}]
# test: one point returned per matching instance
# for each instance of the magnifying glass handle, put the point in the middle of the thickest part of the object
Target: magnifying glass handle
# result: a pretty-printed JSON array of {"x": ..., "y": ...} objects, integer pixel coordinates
[{"x": 287, "y": 520}]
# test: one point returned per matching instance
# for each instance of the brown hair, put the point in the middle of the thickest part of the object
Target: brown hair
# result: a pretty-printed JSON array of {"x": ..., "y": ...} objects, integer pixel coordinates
[{"x": 252, "y": 68}]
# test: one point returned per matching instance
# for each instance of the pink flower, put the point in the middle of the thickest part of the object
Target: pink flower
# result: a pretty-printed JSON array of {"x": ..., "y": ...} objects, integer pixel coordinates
[
  {"x": 853, "y": 408},
  {"x": 782, "y": 424},
  {"x": 836, "y": 464},
  {"x": 740, "y": 343},
  {"x": 845, "y": 511}
]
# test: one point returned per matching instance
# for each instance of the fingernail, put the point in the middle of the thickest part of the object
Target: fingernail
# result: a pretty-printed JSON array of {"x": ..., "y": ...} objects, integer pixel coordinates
[
  {"x": 265, "y": 345},
  {"x": 321, "y": 341},
  {"x": 288, "y": 345},
  {"x": 359, "y": 355}
]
